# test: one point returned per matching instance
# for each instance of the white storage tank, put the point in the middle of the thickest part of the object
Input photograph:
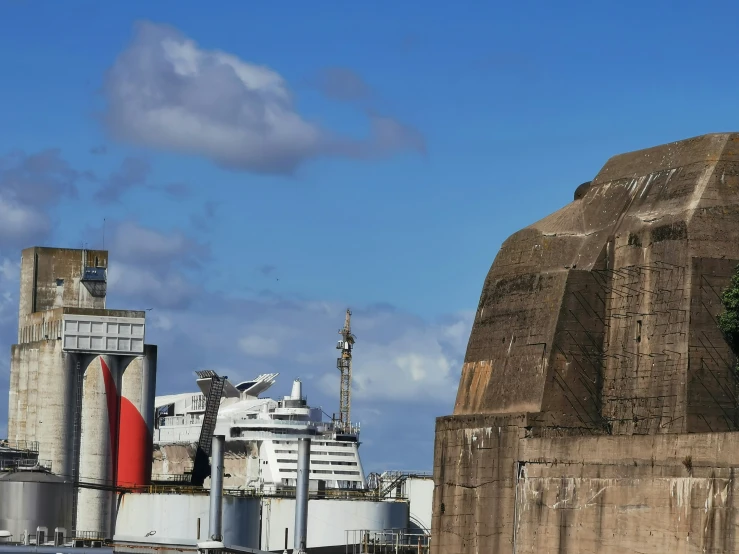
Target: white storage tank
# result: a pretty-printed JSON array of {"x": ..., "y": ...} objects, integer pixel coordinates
[
  {"x": 328, "y": 520},
  {"x": 32, "y": 499},
  {"x": 183, "y": 519}
]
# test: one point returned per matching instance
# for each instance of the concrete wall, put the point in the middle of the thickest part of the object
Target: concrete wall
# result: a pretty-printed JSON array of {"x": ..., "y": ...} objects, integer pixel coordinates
[
  {"x": 598, "y": 405},
  {"x": 42, "y": 390},
  {"x": 328, "y": 520},
  {"x": 241, "y": 462},
  {"x": 628, "y": 494},
  {"x": 50, "y": 278},
  {"x": 499, "y": 491}
]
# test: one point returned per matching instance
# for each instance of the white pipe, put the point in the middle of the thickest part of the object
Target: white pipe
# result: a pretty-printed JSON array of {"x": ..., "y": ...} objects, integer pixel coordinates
[
  {"x": 216, "y": 489},
  {"x": 301, "y": 497}
]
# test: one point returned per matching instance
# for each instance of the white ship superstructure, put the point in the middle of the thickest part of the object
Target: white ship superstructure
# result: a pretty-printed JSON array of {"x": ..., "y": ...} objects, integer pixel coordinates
[{"x": 263, "y": 432}]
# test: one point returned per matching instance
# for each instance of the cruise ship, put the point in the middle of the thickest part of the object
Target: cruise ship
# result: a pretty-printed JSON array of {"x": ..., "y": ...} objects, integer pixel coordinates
[{"x": 261, "y": 437}]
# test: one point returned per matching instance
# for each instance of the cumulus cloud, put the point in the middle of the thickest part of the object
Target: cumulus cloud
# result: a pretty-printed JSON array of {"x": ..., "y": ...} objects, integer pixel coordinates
[
  {"x": 404, "y": 366},
  {"x": 132, "y": 173},
  {"x": 341, "y": 83},
  {"x": 177, "y": 191},
  {"x": 256, "y": 345},
  {"x": 30, "y": 185},
  {"x": 134, "y": 242},
  {"x": 166, "y": 92},
  {"x": 150, "y": 265}
]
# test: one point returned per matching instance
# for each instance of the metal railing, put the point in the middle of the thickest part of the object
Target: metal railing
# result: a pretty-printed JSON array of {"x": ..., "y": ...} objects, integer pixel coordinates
[
  {"x": 24, "y": 464},
  {"x": 180, "y": 420},
  {"x": 199, "y": 402},
  {"x": 387, "y": 541},
  {"x": 335, "y": 494},
  {"x": 26, "y": 446}
]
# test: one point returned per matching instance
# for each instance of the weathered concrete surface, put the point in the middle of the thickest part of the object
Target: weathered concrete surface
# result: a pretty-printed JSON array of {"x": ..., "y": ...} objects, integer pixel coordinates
[
  {"x": 51, "y": 278},
  {"x": 241, "y": 462},
  {"x": 594, "y": 338},
  {"x": 89, "y": 416}
]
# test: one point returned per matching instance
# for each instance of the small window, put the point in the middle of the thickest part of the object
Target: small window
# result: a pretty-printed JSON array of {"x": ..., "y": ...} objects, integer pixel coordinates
[
  {"x": 638, "y": 330},
  {"x": 60, "y": 282}
]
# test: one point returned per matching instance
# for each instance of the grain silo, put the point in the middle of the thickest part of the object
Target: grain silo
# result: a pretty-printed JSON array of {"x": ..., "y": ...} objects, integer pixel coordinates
[{"x": 82, "y": 381}]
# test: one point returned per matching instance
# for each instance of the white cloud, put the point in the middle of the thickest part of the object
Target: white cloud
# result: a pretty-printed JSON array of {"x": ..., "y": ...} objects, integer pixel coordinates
[
  {"x": 153, "y": 287},
  {"x": 414, "y": 366},
  {"x": 397, "y": 356},
  {"x": 9, "y": 271},
  {"x": 21, "y": 221},
  {"x": 132, "y": 241},
  {"x": 255, "y": 345},
  {"x": 166, "y": 92}
]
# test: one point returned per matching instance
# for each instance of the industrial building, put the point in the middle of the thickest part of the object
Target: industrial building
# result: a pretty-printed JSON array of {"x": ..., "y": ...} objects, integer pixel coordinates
[
  {"x": 82, "y": 383},
  {"x": 597, "y": 409},
  {"x": 76, "y": 467}
]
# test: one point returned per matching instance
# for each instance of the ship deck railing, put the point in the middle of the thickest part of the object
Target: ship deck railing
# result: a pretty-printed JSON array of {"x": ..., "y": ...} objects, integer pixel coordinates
[
  {"x": 387, "y": 541},
  {"x": 327, "y": 494}
]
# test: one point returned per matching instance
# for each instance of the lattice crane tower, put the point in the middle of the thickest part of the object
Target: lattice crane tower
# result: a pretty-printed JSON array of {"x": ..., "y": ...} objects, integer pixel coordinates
[{"x": 344, "y": 365}]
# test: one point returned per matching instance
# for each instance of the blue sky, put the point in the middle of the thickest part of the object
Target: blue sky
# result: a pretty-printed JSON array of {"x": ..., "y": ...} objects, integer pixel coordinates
[{"x": 260, "y": 167}]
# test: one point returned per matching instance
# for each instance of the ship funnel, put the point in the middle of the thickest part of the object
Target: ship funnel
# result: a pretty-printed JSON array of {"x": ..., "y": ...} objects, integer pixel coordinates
[{"x": 297, "y": 393}]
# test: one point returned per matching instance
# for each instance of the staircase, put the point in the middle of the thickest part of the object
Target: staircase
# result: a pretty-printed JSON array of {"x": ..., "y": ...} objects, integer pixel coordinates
[{"x": 201, "y": 467}]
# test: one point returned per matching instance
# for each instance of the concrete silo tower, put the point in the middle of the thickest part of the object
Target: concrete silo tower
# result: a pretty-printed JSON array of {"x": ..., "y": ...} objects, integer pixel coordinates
[{"x": 82, "y": 381}]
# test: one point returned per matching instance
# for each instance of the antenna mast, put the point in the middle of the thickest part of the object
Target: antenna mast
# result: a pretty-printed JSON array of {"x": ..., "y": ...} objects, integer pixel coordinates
[{"x": 344, "y": 365}]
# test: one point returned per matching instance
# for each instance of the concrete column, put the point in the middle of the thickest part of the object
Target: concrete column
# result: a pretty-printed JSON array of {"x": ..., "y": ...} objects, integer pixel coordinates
[
  {"x": 134, "y": 453},
  {"x": 56, "y": 407},
  {"x": 216, "y": 488},
  {"x": 99, "y": 444},
  {"x": 301, "y": 497}
]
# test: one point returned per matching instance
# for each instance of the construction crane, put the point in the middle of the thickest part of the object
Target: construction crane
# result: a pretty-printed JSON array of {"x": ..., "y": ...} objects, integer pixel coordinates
[{"x": 344, "y": 365}]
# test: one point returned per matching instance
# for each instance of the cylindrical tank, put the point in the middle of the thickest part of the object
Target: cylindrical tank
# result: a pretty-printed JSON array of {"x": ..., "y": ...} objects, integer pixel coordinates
[
  {"x": 30, "y": 499},
  {"x": 56, "y": 412},
  {"x": 178, "y": 517},
  {"x": 35, "y": 414},
  {"x": 99, "y": 444},
  {"x": 134, "y": 456}
]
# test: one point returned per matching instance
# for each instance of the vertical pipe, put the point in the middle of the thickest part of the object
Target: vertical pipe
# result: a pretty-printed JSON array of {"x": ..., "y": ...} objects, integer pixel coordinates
[
  {"x": 149, "y": 386},
  {"x": 216, "y": 489},
  {"x": 301, "y": 497}
]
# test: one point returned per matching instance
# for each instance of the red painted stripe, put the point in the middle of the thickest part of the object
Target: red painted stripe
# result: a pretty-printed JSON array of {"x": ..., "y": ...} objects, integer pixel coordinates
[
  {"x": 111, "y": 397},
  {"x": 134, "y": 447}
]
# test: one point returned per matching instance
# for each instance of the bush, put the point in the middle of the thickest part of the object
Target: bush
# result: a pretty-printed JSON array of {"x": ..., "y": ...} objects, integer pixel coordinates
[{"x": 728, "y": 321}]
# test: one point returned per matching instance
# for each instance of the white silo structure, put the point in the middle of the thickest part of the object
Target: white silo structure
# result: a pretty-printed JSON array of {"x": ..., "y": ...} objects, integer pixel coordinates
[
  {"x": 68, "y": 371},
  {"x": 98, "y": 444},
  {"x": 136, "y": 419}
]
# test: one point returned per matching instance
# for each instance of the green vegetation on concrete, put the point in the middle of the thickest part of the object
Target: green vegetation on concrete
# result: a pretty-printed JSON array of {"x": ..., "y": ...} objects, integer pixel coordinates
[{"x": 728, "y": 320}]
